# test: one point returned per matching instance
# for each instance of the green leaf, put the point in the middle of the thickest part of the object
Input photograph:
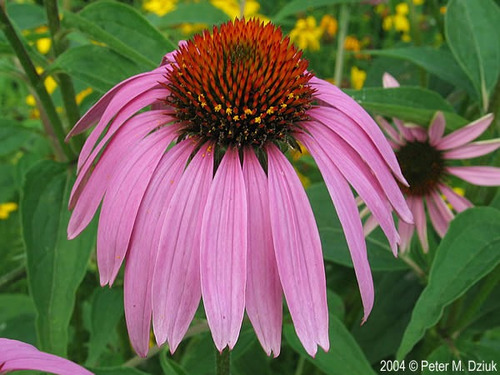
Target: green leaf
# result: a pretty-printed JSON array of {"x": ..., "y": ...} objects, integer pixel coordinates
[
  {"x": 202, "y": 12},
  {"x": 468, "y": 252},
  {"x": 380, "y": 336},
  {"x": 117, "y": 371},
  {"x": 128, "y": 26},
  {"x": 12, "y": 136},
  {"x": 297, "y": 6},
  {"x": 106, "y": 312},
  {"x": 344, "y": 356},
  {"x": 333, "y": 241},
  {"x": 17, "y": 317},
  {"x": 439, "y": 62},
  {"x": 99, "y": 67},
  {"x": 56, "y": 266},
  {"x": 26, "y": 16},
  {"x": 168, "y": 366},
  {"x": 469, "y": 29},
  {"x": 412, "y": 104}
]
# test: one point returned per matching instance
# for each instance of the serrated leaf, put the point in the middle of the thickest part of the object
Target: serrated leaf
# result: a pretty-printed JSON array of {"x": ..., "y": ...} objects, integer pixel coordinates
[
  {"x": 439, "y": 62},
  {"x": 99, "y": 67},
  {"x": 128, "y": 26},
  {"x": 469, "y": 29},
  {"x": 55, "y": 265},
  {"x": 296, "y": 6},
  {"x": 344, "y": 356},
  {"x": 106, "y": 312},
  {"x": 468, "y": 252},
  {"x": 412, "y": 104}
]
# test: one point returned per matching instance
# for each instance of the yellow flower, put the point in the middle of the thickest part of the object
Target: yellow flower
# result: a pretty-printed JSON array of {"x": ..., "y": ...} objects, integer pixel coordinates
[
  {"x": 43, "y": 45},
  {"x": 401, "y": 23},
  {"x": 6, "y": 209},
  {"x": 329, "y": 25},
  {"x": 406, "y": 37},
  {"x": 387, "y": 23},
  {"x": 442, "y": 10},
  {"x": 306, "y": 34},
  {"x": 457, "y": 190},
  {"x": 159, "y": 7},
  {"x": 306, "y": 181},
  {"x": 351, "y": 43},
  {"x": 418, "y": 2},
  {"x": 232, "y": 8},
  {"x": 402, "y": 9},
  {"x": 358, "y": 78},
  {"x": 192, "y": 28},
  {"x": 82, "y": 95}
]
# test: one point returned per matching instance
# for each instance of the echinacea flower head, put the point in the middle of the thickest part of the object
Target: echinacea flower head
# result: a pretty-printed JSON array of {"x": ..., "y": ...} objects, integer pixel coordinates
[
  {"x": 200, "y": 199},
  {"x": 425, "y": 157},
  {"x": 17, "y": 355}
]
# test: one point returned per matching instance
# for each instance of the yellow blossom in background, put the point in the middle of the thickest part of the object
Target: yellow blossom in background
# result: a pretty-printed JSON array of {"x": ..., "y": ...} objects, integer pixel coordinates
[
  {"x": 418, "y": 2},
  {"x": 387, "y": 23},
  {"x": 306, "y": 181},
  {"x": 159, "y": 7},
  {"x": 232, "y": 8},
  {"x": 358, "y": 78},
  {"x": 402, "y": 9},
  {"x": 351, "y": 43},
  {"x": 442, "y": 10},
  {"x": 50, "y": 86},
  {"x": 82, "y": 95},
  {"x": 401, "y": 23},
  {"x": 192, "y": 28},
  {"x": 329, "y": 25},
  {"x": 306, "y": 34},
  {"x": 406, "y": 37},
  {"x": 457, "y": 190},
  {"x": 6, "y": 209}
]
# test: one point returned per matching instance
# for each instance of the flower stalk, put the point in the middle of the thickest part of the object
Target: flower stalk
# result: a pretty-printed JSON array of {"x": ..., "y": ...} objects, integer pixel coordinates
[
  {"x": 223, "y": 362},
  {"x": 56, "y": 131},
  {"x": 339, "y": 61}
]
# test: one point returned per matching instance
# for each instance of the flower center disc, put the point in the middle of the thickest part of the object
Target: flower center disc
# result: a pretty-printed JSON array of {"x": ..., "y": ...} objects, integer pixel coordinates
[
  {"x": 422, "y": 166},
  {"x": 242, "y": 84}
]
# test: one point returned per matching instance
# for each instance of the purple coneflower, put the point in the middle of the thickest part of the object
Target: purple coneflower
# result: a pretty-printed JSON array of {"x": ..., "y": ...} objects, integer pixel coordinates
[
  {"x": 17, "y": 355},
  {"x": 424, "y": 156},
  {"x": 221, "y": 214}
]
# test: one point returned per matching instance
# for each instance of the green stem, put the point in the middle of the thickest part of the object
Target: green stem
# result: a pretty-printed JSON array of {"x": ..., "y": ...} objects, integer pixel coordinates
[
  {"x": 57, "y": 137},
  {"x": 223, "y": 361},
  {"x": 300, "y": 366},
  {"x": 67, "y": 88},
  {"x": 339, "y": 62},
  {"x": 495, "y": 107}
]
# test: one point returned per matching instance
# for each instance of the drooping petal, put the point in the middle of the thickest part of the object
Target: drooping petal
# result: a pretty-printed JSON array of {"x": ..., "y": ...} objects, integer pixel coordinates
[
  {"x": 176, "y": 278},
  {"x": 417, "y": 207},
  {"x": 16, "y": 356},
  {"x": 122, "y": 201},
  {"x": 369, "y": 226},
  {"x": 347, "y": 210},
  {"x": 458, "y": 202},
  {"x": 482, "y": 175},
  {"x": 389, "y": 130},
  {"x": 466, "y": 134},
  {"x": 439, "y": 213},
  {"x": 362, "y": 144},
  {"x": 128, "y": 87},
  {"x": 405, "y": 231},
  {"x": 91, "y": 184},
  {"x": 473, "y": 150},
  {"x": 224, "y": 252},
  {"x": 354, "y": 170},
  {"x": 337, "y": 99},
  {"x": 436, "y": 129},
  {"x": 263, "y": 292},
  {"x": 298, "y": 252},
  {"x": 143, "y": 247},
  {"x": 389, "y": 81},
  {"x": 119, "y": 113}
]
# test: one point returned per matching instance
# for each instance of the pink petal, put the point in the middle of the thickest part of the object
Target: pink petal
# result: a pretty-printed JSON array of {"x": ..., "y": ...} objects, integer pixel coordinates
[
  {"x": 436, "y": 129},
  {"x": 263, "y": 293},
  {"x": 418, "y": 133},
  {"x": 389, "y": 130},
  {"x": 473, "y": 150},
  {"x": 439, "y": 213},
  {"x": 121, "y": 112},
  {"x": 143, "y": 247},
  {"x": 91, "y": 183},
  {"x": 417, "y": 207},
  {"x": 122, "y": 200},
  {"x": 144, "y": 80},
  {"x": 349, "y": 131},
  {"x": 466, "y": 134},
  {"x": 483, "y": 176},
  {"x": 224, "y": 252},
  {"x": 298, "y": 253},
  {"x": 337, "y": 99},
  {"x": 16, "y": 356},
  {"x": 406, "y": 233},
  {"x": 356, "y": 172},
  {"x": 388, "y": 81},
  {"x": 348, "y": 214},
  {"x": 176, "y": 278},
  {"x": 369, "y": 226},
  {"x": 406, "y": 133},
  {"x": 458, "y": 202}
]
